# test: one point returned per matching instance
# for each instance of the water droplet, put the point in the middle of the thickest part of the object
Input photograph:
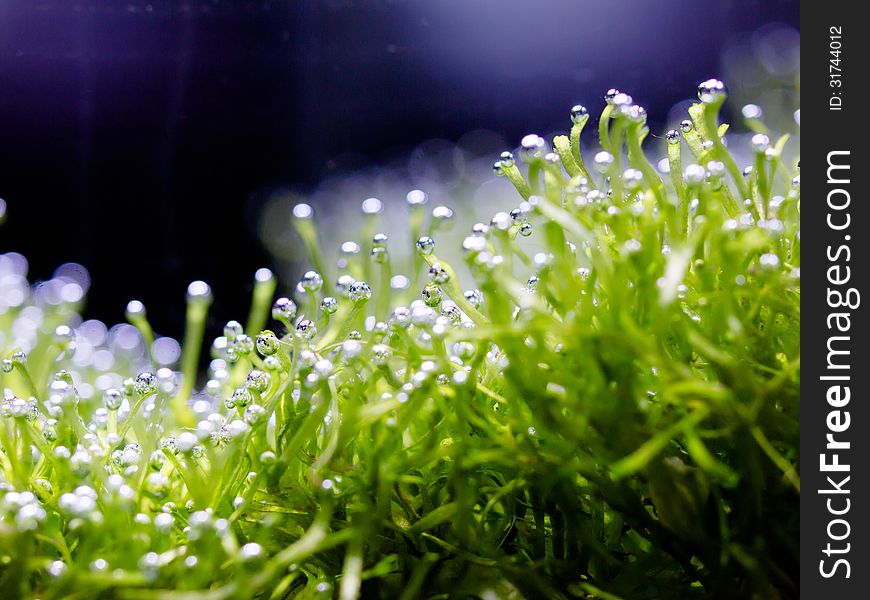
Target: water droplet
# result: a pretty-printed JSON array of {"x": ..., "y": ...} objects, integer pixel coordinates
[
  {"x": 712, "y": 90},
  {"x": 255, "y": 414},
  {"x": 695, "y": 174},
  {"x": 769, "y": 261},
  {"x": 673, "y": 136},
  {"x": 474, "y": 243},
  {"x": 380, "y": 255},
  {"x": 284, "y": 309},
  {"x": 425, "y": 245},
  {"x": 497, "y": 169},
  {"x": 243, "y": 344},
  {"x": 442, "y": 213},
  {"x": 526, "y": 229},
  {"x": 686, "y": 126},
  {"x": 267, "y": 343},
  {"x": 258, "y": 380},
  {"x": 112, "y": 399},
  {"x": 610, "y": 94},
  {"x": 381, "y": 354},
  {"x": 479, "y": 229},
  {"x": 134, "y": 309},
  {"x": 578, "y": 111},
  {"x": 343, "y": 284},
  {"x": 329, "y": 305}
]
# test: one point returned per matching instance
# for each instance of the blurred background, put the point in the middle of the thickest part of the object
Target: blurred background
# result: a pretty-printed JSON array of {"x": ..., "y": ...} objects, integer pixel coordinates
[{"x": 164, "y": 141}]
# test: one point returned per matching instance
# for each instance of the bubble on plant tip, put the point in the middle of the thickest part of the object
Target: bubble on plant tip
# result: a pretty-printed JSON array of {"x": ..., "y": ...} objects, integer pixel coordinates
[
  {"x": 372, "y": 206},
  {"x": 425, "y": 245},
  {"x": 673, "y": 136},
  {"x": 329, "y": 305},
  {"x": 474, "y": 244},
  {"x": 442, "y": 213},
  {"x": 243, "y": 344},
  {"x": 400, "y": 317},
  {"x": 532, "y": 147},
  {"x": 343, "y": 285},
  {"x": 284, "y": 309},
  {"x": 232, "y": 329},
  {"x": 416, "y": 197},
  {"x": 760, "y": 142},
  {"x": 360, "y": 292},
  {"x": 399, "y": 282},
  {"x": 712, "y": 90},
  {"x": 473, "y": 297},
  {"x": 751, "y": 111},
  {"x": 432, "y": 295},
  {"x": 506, "y": 159},
  {"x": 498, "y": 169},
  {"x": 306, "y": 329},
  {"x": 311, "y": 281},
  {"x": 610, "y": 94},
  {"x": 438, "y": 274},
  {"x": 303, "y": 211},
  {"x": 747, "y": 171},
  {"x": 199, "y": 292},
  {"x": 379, "y": 254},
  {"x": 578, "y": 111},
  {"x": 603, "y": 161},
  {"x": 796, "y": 181},
  {"x": 686, "y": 126},
  {"x": 526, "y": 229},
  {"x": 258, "y": 380},
  {"x": 255, "y": 414},
  {"x": 479, "y": 229},
  {"x": 694, "y": 174},
  {"x": 145, "y": 384},
  {"x": 769, "y": 261}
]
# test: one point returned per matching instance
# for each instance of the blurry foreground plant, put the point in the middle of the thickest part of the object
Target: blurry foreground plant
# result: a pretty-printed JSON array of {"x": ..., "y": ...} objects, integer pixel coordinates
[{"x": 612, "y": 414}]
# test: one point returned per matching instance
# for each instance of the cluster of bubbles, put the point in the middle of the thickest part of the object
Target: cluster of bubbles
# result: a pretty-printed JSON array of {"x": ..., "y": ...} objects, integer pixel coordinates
[{"x": 109, "y": 415}]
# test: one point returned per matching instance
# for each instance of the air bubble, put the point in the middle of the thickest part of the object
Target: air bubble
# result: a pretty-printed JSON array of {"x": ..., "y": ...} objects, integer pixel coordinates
[
  {"x": 311, "y": 281},
  {"x": 329, "y": 305},
  {"x": 438, "y": 274},
  {"x": 673, "y": 136},
  {"x": 686, "y": 126},
  {"x": 145, "y": 384},
  {"x": 306, "y": 330},
  {"x": 425, "y": 245},
  {"x": 578, "y": 111},
  {"x": 372, "y": 206},
  {"x": 711, "y": 91},
  {"x": 507, "y": 159},
  {"x": 432, "y": 295},
  {"x": 360, "y": 292},
  {"x": 284, "y": 309}
]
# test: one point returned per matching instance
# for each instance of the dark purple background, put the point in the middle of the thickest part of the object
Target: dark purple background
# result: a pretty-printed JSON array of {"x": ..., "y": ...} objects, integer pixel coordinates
[{"x": 137, "y": 137}]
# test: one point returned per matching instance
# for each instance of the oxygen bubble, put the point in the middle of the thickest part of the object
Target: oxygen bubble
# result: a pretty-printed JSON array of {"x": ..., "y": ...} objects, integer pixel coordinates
[
  {"x": 350, "y": 248},
  {"x": 453, "y": 314},
  {"x": 747, "y": 171},
  {"x": 379, "y": 254},
  {"x": 284, "y": 309},
  {"x": 474, "y": 244},
  {"x": 438, "y": 274},
  {"x": 603, "y": 161},
  {"x": 145, "y": 384},
  {"x": 578, "y": 111},
  {"x": 311, "y": 281},
  {"x": 474, "y": 297},
  {"x": 267, "y": 343},
  {"x": 199, "y": 292},
  {"x": 769, "y": 261},
  {"x": 673, "y": 136},
  {"x": 56, "y": 568},
  {"x": 532, "y": 147},
  {"x": 610, "y": 94},
  {"x": 432, "y": 295},
  {"x": 372, "y": 206},
  {"x": 112, "y": 399},
  {"x": 707, "y": 144},
  {"x": 425, "y": 245},
  {"x": 243, "y": 344},
  {"x": 797, "y": 116},
  {"x": 255, "y": 414},
  {"x": 343, "y": 285},
  {"x": 686, "y": 126},
  {"x": 353, "y": 334},
  {"x": 497, "y": 169},
  {"x": 751, "y": 111},
  {"x": 379, "y": 240},
  {"x": 401, "y": 317},
  {"x": 303, "y": 211},
  {"x": 479, "y": 229},
  {"x": 442, "y": 213},
  {"x": 507, "y": 159},
  {"x": 380, "y": 354},
  {"x": 501, "y": 221},
  {"x": 360, "y": 292},
  {"x": 157, "y": 459},
  {"x": 329, "y": 305},
  {"x": 63, "y": 335},
  {"x": 633, "y": 179},
  {"x": 552, "y": 158},
  {"x": 796, "y": 181},
  {"x": 233, "y": 329},
  {"x": 526, "y": 229},
  {"x": 399, "y": 282},
  {"x": 712, "y": 90},
  {"x": 258, "y": 380},
  {"x": 760, "y": 142},
  {"x": 417, "y": 198},
  {"x": 621, "y": 100},
  {"x": 306, "y": 329},
  {"x": 134, "y": 309},
  {"x": 695, "y": 174}
]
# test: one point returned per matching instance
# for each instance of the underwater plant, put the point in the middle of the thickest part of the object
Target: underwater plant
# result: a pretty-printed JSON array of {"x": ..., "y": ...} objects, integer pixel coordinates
[{"x": 611, "y": 411}]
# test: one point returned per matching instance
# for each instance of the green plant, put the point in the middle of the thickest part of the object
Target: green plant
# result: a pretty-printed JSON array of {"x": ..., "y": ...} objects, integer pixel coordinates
[{"x": 612, "y": 412}]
